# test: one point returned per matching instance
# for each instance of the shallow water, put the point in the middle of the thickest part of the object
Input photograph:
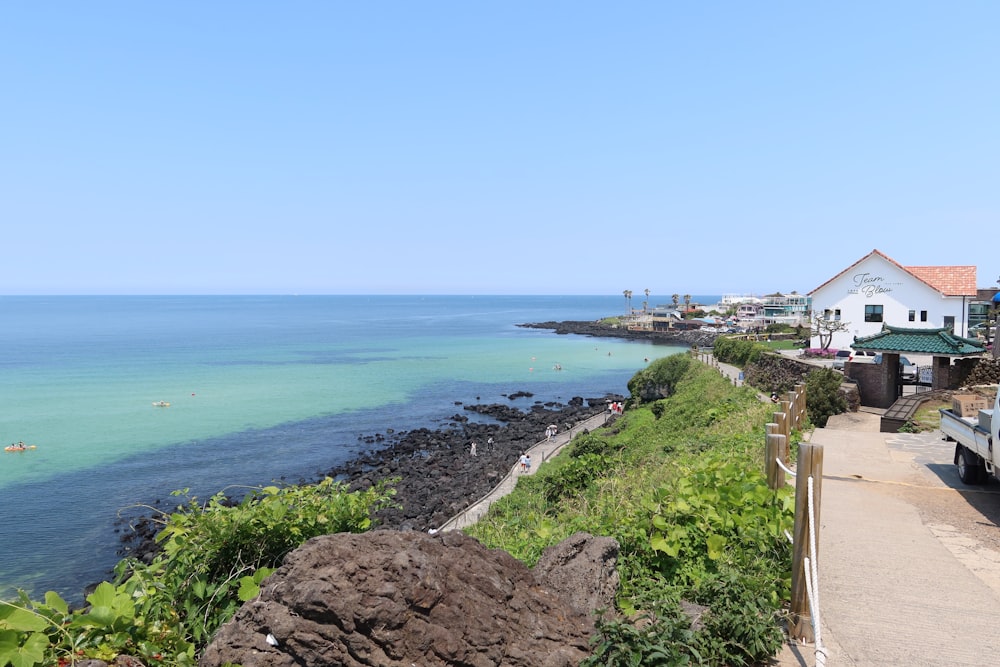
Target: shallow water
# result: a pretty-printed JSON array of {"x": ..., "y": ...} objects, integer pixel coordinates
[{"x": 260, "y": 388}]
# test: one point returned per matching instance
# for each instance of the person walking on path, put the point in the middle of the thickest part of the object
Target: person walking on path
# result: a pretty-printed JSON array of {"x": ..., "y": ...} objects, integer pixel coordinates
[
  {"x": 489, "y": 445},
  {"x": 523, "y": 462},
  {"x": 472, "y": 448}
]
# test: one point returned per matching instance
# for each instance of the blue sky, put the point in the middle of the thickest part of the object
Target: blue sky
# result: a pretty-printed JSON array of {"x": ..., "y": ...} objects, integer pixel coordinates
[{"x": 492, "y": 147}]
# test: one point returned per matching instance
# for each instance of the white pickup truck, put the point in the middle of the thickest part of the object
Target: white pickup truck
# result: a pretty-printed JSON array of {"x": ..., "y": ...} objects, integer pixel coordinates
[{"x": 974, "y": 437}]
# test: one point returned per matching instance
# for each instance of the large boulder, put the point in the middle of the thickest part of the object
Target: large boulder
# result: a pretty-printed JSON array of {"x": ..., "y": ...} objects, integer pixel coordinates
[
  {"x": 583, "y": 569},
  {"x": 398, "y": 599}
]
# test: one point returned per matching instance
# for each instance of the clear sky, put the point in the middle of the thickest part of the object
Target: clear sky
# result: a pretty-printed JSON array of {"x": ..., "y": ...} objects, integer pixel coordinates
[{"x": 504, "y": 147}]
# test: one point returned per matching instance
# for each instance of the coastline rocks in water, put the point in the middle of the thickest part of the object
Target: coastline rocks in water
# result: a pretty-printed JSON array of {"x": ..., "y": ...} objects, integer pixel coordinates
[
  {"x": 396, "y": 599},
  {"x": 439, "y": 477},
  {"x": 686, "y": 338}
]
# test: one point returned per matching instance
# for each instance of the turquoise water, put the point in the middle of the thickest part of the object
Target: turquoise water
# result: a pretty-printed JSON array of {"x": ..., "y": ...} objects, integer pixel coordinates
[{"x": 260, "y": 388}]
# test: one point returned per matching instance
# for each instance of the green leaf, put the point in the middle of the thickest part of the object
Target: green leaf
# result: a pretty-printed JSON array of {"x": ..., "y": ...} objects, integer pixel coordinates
[
  {"x": 22, "y": 620},
  {"x": 103, "y": 595},
  {"x": 53, "y": 600},
  {"x": 28, "y": 654},
  {"x": 716, "y": 546},
  {"x": 249, "y": 589}
]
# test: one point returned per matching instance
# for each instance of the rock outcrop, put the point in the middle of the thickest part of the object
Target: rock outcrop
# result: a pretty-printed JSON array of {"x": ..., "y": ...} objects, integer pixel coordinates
[
  {"x": 686, "y": 338},
  {"x": 438, "y": 478},
  {"x": 398, "y": 599}
]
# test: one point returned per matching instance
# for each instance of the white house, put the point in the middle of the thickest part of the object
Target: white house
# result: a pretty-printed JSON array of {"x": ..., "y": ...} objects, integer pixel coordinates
[{"x": 877, "y": 290}]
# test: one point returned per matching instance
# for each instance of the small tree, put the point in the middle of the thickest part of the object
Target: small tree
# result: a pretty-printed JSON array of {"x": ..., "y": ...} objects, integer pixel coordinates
[
  {"x": 824, "y": 329},
  {"x": 823, "y": 396}
]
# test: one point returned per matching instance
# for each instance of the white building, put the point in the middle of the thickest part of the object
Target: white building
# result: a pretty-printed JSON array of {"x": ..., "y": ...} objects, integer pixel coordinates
[{"x": 877, "y": 290}]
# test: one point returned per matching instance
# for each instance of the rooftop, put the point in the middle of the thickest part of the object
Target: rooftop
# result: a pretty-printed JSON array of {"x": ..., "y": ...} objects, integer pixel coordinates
[{"x": 940, "y": 342}]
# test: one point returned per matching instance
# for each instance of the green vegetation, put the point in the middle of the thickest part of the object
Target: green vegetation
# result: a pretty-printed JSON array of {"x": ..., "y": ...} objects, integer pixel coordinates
[
  {"x": 731, "y": 350},
  {"x": 678, "y": 481},
  {"x": 213, "y": 557},
  {"x": 823, "y": 396}
]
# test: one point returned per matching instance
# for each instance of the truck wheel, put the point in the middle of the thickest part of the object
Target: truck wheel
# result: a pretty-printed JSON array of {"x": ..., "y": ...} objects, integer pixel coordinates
[{"x": 970, "y": 467}]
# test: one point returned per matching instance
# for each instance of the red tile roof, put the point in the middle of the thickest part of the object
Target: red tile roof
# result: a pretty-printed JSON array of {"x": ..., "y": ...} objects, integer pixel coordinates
[{"x": 948, "y": 280}]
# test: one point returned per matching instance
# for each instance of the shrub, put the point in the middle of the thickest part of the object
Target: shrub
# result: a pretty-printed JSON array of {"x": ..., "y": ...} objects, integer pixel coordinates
[
  {"x": 573, "y": 477},
  {"x": 823, "y": 396},
  {"x": 737, "y": 352},
  {"x": 214, "y": 556},
  {"x": 660, "y": 378}
]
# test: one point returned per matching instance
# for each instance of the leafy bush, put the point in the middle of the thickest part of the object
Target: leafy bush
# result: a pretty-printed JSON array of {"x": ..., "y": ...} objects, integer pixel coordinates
[
  {"x": 731, "y": 350},
  {"x": 659, "y": 638},
  {"x": 660, "y": 378},
  {"x": 740, "y": 627},
  {"x": 823, "y": 397},
  {"x": 573, "y": 477},
  {"x": 590, "y": 443},
  {"x": 718, "y": 514},
  {"x": 214, "y": 556}
]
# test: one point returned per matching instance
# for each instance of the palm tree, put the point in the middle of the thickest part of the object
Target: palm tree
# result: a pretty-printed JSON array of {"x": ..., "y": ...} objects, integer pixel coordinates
[
  {"x": 646, "y": 302},
  {"x": 676, "y": 298},
  {"x": 628, "y": 301},
  {"x": 687, "y": 302}
]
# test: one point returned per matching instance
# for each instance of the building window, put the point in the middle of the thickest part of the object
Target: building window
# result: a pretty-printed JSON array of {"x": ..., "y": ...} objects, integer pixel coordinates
[
  {"x": 873, "y": 313},
  {"x": 913, "y": 316},
  {"x": 836, "y": 314},
  {"x": 949, "y": 323},
  {"x": 923, "y": 315}
]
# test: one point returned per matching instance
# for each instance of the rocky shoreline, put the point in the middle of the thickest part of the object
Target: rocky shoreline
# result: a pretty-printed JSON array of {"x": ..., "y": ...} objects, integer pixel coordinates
[
  {"x": 686, "y": 338},
  {"x": 438, "y": 476}
]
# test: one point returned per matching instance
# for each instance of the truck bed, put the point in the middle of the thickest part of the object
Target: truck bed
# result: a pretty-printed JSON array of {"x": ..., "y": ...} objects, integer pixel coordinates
[{"x": 967, "y": 431}]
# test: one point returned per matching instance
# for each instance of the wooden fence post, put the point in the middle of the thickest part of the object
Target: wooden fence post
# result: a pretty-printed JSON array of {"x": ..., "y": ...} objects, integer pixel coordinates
[
  {"x": 773, "y": 447},
  {"x": 810, "y": 464}
]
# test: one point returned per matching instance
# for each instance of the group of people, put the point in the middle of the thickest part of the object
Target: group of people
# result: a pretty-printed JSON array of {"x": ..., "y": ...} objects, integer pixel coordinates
[
  {"x": 550, "y": 431},
  {"x": 489, "y": 446},
  {"x": 525, "y": 461},
  {"x": 616, "y": 407}
]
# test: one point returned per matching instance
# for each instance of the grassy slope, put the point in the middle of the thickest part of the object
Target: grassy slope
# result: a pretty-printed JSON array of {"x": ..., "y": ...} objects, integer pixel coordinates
[{"x": 665, "y": 487}]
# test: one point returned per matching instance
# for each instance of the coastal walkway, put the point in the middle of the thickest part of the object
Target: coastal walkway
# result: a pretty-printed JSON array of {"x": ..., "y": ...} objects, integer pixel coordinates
[
  {"x": 908, "y": 556},
  {"x": 540, "y": 452}
]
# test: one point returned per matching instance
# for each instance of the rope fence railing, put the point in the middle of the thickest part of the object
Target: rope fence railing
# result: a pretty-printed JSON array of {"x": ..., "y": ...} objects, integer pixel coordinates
[{"x": 805, "y": 621}]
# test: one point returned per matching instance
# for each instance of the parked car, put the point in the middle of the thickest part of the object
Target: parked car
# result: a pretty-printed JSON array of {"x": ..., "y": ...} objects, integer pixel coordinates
[
  {"x": 907, "y": 369},
  {"x": 843, "y": 356}
]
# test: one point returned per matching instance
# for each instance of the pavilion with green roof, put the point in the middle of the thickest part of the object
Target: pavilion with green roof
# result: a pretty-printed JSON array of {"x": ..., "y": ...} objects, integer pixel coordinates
[{"x": 881, "y": 383}]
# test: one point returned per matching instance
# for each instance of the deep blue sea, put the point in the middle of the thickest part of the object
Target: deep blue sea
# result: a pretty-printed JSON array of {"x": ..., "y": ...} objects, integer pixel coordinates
[{"x": 261, "y": 388}]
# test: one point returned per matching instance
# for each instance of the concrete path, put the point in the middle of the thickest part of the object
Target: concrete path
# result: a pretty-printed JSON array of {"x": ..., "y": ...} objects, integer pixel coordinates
[
  {"x": 540, "y": 452},
  {"x": 898, "y": 584}
]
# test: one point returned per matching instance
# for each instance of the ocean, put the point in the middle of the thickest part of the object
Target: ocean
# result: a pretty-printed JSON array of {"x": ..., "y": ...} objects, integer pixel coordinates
[{"x": 261, "y": 389}]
